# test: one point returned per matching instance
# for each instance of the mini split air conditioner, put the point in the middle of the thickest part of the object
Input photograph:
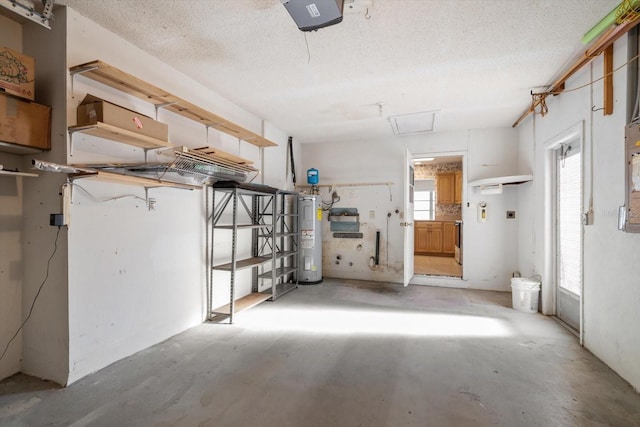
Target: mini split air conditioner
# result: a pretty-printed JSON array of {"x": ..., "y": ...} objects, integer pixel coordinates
[{"x": 309, "y": 15}]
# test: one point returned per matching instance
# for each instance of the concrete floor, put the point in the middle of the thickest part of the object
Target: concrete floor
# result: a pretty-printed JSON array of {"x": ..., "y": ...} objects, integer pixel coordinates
[{"x": 347, "y": 353}]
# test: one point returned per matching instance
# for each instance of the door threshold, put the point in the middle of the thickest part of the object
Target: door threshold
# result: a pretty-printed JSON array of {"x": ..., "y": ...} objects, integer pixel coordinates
[{"x": 568, "y": 327}]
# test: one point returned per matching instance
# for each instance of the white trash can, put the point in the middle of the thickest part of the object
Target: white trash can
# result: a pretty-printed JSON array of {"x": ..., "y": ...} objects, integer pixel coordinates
[{"x": 524, "y": 294}]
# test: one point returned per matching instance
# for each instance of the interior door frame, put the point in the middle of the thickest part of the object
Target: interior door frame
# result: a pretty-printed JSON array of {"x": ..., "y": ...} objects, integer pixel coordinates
[
  {"x": 448, "y": 281},
  {"x": 407, "y": 221},
  {"x": 549, "y": 281}
]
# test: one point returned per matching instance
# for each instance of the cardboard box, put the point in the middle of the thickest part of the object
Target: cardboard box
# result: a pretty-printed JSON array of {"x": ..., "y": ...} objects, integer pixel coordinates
[
  {"x": 25, "y": 123},
  {"x": 93, "y": 109},
  {"x": 17, "y": 73}
]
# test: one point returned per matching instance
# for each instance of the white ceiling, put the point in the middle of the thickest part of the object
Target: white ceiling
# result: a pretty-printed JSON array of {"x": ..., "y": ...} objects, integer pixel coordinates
[{"x": 474, "y": 61}]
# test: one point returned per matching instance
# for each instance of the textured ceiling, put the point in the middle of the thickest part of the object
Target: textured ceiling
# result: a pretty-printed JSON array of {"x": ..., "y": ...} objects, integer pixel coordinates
[{"x": 474, "y": 61}]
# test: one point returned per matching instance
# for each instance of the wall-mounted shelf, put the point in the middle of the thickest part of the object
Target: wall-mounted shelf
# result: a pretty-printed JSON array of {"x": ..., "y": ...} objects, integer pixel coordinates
[
  {"x": 113, "y": 77},
  {"x": 118, "y": 178},
  {"x": 7, "y": 173},
  {"x": 113, "y": 133}
]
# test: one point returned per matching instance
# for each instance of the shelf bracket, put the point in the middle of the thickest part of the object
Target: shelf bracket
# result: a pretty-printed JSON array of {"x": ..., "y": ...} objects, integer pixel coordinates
[
  {"x": 79, "y": 71},
  {"x": 163, "y": 105}
]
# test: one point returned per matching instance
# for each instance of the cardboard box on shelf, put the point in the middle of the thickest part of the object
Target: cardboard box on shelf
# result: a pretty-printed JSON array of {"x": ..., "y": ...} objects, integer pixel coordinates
[
  {"x": 17, "y": 73},
  {"x": 93, "y": 109},
  {"x": 24, "y": 123}
]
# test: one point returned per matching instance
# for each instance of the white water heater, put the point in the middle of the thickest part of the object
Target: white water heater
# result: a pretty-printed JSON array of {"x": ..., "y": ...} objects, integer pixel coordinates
[{"x": 310, "y": 253}]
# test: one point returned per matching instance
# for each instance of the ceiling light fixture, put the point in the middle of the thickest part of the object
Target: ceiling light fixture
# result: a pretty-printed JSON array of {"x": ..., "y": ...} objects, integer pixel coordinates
[
  {"x": 406, "y": 124},
  {"x": 422, "y": 160}
]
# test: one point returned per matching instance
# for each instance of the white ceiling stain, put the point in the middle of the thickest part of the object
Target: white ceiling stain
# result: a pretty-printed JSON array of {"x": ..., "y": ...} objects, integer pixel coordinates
[{"x": 474, "y": 61}]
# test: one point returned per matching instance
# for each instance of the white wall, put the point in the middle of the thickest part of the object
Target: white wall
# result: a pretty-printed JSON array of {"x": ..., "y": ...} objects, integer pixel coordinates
[
  {"x": 611, "y": 271},
  {"x": 45, "y": 336},
  {"x": 137, "y": 277},
  {"x": 11, "y": 190},
  {"x": 490, "y": 250}
]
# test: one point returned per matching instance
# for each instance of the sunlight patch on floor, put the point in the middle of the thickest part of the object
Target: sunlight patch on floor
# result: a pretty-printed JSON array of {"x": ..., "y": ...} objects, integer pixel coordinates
[{"x": 373, "y": 322}]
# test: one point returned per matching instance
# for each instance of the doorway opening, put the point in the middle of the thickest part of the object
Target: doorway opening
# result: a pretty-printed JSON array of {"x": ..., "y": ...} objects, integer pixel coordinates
[{"x": 437, "y": 216}]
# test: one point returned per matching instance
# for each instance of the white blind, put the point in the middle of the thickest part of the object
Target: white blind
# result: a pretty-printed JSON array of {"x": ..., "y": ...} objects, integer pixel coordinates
[{"x": 569, "y": 220}]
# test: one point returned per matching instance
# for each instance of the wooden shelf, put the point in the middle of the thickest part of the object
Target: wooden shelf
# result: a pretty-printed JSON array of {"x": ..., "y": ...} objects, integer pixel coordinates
[
  {"x": 103, "y": 130},
  {"x": 7, "y": 173},
  {"x": 131, "y": 180},
  {"x": 244, "y": 303},
  {"x": 113, "y": 77},
  {"x": 244, "y": 263}
]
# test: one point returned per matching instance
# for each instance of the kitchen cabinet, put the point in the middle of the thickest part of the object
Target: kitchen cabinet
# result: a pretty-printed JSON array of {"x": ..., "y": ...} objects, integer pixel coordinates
[
  {"x": 434, "y": 238},
  {"x": 457, "y": 187},
  {"x": 448, "y": 238},
  {"x": 444, "y": 188},
  {"x": 449, "y": 188},
  {"x": 428, "y": 237}
]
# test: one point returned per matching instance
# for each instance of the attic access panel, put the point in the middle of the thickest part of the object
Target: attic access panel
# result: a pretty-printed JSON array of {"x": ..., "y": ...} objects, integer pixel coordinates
[{"x": 407, "y": 124}]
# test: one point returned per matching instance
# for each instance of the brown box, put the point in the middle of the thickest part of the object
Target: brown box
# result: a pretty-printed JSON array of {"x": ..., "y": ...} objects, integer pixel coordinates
[
  {"x": 17, "y": 73},
  {"x": 24, "y": 123},
  {"x": 93, "y": 109}
]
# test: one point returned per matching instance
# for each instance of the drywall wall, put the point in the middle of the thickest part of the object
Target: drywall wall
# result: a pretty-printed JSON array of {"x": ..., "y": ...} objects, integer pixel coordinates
[
  {"x": 45, "y": 335},
  {"x": 11, "y": 190},
  {"x": 611, "y": 271},
  {"x": 136, "y": 276},
  {"x": 490, "y": 250}
]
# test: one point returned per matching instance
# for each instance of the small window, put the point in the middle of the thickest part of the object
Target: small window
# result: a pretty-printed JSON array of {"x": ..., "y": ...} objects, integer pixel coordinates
[{"x": 425, "y": 200}]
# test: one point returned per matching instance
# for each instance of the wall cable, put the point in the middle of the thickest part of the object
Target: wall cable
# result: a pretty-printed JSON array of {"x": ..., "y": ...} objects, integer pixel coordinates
[
  {"x": 108, "y": 199},
  {"x": 596, "y": 80},
  {"x": 334, "y": 199},
  {"x": 33, "y": 303},
  {"x": 308, "y": 51}
]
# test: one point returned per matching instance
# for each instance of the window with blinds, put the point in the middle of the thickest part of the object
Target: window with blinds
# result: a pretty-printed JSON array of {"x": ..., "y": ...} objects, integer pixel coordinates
[{"x": 569, "y": 217}]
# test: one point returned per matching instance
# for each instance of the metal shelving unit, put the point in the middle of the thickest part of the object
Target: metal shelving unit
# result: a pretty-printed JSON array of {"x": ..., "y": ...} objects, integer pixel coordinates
[
  {"x": 271, "y": 217},
  {"x": 283, "y": 275}
]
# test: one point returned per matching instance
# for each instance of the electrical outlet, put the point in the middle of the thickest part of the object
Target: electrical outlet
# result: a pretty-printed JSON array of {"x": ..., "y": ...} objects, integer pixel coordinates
[
  {"x": 372, "y": 214},
  {"x": 56, "y": 220},
  {"x": 152, "y": 204},
  {"x": 511, "y": 214}
]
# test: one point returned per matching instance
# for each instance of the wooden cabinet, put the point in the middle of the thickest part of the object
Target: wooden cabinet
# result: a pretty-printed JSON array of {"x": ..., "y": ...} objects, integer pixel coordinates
[
  {"x": 457, "y": 187},
  {"x": 434, "y": 238},
  {"x": 428, "y": 237},
  {"x": 444, "y": 188},
  {"x": 448, "y": 238},
  {"x": 449, "y": 188}
]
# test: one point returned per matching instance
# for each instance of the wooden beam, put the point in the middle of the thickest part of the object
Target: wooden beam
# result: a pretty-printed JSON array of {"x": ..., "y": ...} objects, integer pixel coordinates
[
  {"x": 602, "y": 43},
  {"x": 608, "y": 81}
]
